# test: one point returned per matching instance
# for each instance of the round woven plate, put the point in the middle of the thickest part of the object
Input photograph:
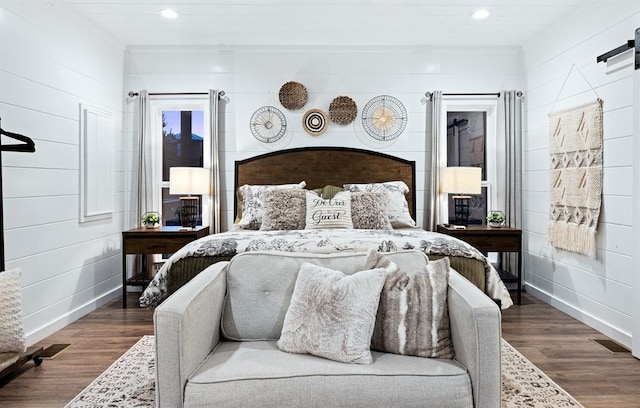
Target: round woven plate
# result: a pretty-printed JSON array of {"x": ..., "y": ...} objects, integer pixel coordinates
[
  {"x": 314, "y": 122},
  {"x": 293, "y": 95},
  {"x": 343, "y": 110}
]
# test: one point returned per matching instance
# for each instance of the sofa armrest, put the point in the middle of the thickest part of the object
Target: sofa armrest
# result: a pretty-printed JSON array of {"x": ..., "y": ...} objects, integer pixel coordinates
[
  {"x": 477, "y": 335},
  {"x": 187, "y": 329}
]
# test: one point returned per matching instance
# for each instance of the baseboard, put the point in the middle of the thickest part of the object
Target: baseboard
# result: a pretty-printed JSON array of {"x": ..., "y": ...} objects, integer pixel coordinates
[
  {"x": 603, "y": 327},
  {"x": 72, "y": 316}
]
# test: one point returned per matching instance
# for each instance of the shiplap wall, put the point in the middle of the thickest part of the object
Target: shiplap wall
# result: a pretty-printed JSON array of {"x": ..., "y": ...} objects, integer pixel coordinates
[
  {"x": 252, "y": 77},
  {"x": 598, "y": 292},
  {"x": 51, "y": 60}
]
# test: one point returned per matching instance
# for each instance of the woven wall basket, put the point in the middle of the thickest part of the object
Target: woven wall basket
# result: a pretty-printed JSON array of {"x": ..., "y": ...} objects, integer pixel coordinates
[
  {"x": 342, "y": 110},
  {"x": 293, "y": 95}
]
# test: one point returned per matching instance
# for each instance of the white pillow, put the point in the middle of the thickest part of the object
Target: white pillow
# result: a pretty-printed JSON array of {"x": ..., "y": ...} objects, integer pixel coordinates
[
  {"x": 12, "y": 339},
  {"x": 332, "y": 315},
  {"x": 398, "y": 207},
  {"x": 252, "y": 203},
  {"x": 329, "y": 213}
]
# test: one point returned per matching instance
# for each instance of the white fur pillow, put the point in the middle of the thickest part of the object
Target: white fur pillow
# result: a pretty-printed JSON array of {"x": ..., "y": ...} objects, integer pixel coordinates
[
  {"x": 329, "y": 213},
  {"x": 413, "y": 316},
  {"x": 12, "y": 339},
  {"x": 331, "y": 314},
  {"x": 397, "y": 204},
  {"x": 252, "y": 203}
]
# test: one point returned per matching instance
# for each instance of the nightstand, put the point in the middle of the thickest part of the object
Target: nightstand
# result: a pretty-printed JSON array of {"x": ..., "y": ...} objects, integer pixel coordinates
[
  {"x": 145, "y": 241},
  {"x": 490, "y": 239}
]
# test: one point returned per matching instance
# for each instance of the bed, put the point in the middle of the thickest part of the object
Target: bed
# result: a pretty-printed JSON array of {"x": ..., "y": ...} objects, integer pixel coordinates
[{"x": 325, "y": 172}]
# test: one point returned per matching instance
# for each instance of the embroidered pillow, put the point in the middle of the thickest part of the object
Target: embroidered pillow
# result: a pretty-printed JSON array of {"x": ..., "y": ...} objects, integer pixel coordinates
[
  {"x": 397, "y": 205},
  {"x": 369, "y": 211},
  {"x": 12, "y": 339},
  {"x": 284, "y": 209},
  {"x": 329, "y": 213},
  {"x": 413, "y": 316},
  {"x": 331, "y": 314},
  {"x": 252, "y": 203}
]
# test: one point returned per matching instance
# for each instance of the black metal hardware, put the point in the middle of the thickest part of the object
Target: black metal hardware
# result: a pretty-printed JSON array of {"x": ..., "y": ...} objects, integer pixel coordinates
[{"x": 604, "y": 57}]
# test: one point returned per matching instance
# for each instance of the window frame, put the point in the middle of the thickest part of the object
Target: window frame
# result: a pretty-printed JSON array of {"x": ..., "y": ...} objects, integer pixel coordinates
[
  {"x": 489, "y": 105},
  {"x": 178, "y": 103}
]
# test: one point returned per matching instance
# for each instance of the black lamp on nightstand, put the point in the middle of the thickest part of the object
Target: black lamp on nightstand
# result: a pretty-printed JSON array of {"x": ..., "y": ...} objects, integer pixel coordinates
[
  {"x": 461, "y": 181},
  {"x": 189, "y": 180}
]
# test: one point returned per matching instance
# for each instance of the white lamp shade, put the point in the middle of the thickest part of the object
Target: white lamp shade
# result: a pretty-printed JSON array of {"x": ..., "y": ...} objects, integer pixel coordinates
[
  {"x": 188, "y": 180},
  {"x": 461, "y": 180}
]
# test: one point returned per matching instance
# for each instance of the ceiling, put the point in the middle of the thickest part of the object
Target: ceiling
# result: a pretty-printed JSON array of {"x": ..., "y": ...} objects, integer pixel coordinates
[{"x": 327, "y": 22}]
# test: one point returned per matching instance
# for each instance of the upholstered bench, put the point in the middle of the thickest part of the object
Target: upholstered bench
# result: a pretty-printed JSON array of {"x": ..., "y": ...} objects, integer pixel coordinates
[{"x": 216, "y": 344}]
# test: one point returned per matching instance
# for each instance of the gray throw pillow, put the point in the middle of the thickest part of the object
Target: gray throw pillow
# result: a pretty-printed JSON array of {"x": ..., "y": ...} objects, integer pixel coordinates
[
  {"x": 284, "y": 209},
  {"x": 369, "y": 211},
  {"x": 413, "y": 316},
  {"x": 331, "y": 314}
]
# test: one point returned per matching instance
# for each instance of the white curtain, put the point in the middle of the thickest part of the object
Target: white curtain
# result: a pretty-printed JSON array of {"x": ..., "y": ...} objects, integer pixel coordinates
[
  {"x": 145, "y": 185},
  {"x": 509, "y": 150},
  {"x": 509, "y": 146},
  {"x": 214, "y": 195},
  {"x": 432, "y": 199}
]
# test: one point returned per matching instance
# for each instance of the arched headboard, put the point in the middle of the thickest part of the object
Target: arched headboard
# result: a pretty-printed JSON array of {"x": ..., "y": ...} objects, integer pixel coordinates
[{"x": 321, "y": 166}]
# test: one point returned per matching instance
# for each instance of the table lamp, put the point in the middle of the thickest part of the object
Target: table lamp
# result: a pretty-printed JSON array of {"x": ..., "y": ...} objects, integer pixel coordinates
[
  {"x": 461, "y": 181},
  {"x": 189, "y": 180}
]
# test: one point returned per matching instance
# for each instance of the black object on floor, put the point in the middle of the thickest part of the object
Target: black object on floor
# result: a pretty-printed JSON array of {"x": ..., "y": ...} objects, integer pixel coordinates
[
  {"x": 53, "y": 350},
  {"x": 611, "y": 345}
]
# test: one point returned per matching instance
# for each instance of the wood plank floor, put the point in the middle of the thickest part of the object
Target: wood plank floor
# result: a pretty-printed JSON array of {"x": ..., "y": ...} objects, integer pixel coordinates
[{"x": 556, "y": 343}]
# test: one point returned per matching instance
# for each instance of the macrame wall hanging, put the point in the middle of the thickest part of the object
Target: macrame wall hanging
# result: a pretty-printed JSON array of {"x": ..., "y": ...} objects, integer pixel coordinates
[{"x": 575, "y": 145}]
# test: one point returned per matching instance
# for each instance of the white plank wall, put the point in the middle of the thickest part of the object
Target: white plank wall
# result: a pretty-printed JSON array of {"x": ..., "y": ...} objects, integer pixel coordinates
[
  {"x": 252, "y": 77},
  {"x": 597, "y": 292},
  {"x": 51, "y": 60}
]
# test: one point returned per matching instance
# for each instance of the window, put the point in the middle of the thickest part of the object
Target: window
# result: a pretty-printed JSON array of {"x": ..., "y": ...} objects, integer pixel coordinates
[
  {"x": 183, "y": 140},
  {"x": 470, "y": 142}
]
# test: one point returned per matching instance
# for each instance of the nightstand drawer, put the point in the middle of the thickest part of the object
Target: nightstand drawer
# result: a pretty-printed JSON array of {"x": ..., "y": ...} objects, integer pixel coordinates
[{"x": 138, "y": 245}]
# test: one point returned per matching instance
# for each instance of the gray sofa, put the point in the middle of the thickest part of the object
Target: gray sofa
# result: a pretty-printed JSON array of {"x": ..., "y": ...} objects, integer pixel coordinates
[{"x": 216, "y": 345}]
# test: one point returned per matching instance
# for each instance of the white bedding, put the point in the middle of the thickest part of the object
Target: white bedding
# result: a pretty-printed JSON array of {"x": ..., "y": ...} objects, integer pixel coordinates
[{"x": 326, "y": 241}]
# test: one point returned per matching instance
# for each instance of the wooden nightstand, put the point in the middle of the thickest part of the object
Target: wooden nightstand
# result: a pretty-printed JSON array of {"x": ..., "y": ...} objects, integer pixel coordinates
[
  {"x": 489, "y": 239},
  {"x": 144, "y": 241}
]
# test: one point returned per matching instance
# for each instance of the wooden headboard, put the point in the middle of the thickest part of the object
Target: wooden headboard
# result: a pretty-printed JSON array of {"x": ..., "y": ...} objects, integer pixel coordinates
[{"x": 321, "y": 166}]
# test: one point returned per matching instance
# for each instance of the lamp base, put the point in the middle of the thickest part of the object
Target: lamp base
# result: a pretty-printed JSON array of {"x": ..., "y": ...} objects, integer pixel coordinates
[
  {"x": 189, "y": 211},
  {"x": 461, "y": 209}
]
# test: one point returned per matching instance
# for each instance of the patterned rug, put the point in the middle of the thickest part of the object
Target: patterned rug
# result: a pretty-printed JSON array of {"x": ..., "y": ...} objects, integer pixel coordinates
[{"x": 130, "y": 382}]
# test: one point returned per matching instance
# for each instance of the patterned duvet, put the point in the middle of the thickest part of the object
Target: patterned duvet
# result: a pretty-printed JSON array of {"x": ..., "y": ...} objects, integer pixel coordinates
[{"x": 234, "y": 242}]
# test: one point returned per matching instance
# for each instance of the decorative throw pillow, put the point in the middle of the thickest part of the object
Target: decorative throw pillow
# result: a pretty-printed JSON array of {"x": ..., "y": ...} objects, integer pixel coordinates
[
  {"x": 331, "y": 314},
  {"x": 330, "y": 191},
  {"x": 397, "y": 204},
  {"x": 12, "y": 339},
  {"x": 284, "y": 209},
  {"x": 413, "y": 316},
  {"x": 252, "y": 203},
  {"x": 369, "y": 211},
  {"x": 331, "y": 213}
]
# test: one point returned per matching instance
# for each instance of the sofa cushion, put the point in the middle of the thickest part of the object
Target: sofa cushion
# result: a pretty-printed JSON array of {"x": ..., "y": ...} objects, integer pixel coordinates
[
  {"x": 413, "y": 317},
  {"x": 260, "y": 284},
  {"x": 259, "y": 374},
  {"x": 331, "y": 314}
]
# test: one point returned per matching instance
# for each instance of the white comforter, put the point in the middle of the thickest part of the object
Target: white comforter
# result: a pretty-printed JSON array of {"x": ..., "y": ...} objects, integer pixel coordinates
[{"x": 325, "y": 241}]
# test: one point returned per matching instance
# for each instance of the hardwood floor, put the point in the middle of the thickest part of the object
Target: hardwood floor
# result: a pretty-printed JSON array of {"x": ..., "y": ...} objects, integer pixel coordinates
[{"x": 556, "y": 343}]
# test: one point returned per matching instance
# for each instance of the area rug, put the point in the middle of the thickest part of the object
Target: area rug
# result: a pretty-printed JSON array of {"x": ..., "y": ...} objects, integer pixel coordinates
[
  {"x": 575, "y": 145},
  {"x": 130, "y": 382}
]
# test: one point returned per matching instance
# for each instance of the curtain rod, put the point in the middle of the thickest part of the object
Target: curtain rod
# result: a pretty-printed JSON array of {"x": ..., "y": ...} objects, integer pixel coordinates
[
  {"x": 496, "y": 94},
  {"x": 134, "y": 94}
]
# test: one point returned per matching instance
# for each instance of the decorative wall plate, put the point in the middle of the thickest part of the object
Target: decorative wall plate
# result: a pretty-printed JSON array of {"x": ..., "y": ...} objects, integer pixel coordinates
[
  {"x": 293, "y": 95},
  {"x": 384, "y": 118},
  {"x": 314, "y": 122},
  {"x": 342, "y": 110},
  {"x": 268, "y": 124}
]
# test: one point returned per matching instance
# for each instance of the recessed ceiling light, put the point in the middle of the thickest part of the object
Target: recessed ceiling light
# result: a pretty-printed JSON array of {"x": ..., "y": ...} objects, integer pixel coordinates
[
  {"x": 480, "y": 14},
  {"x": 168, "y": 13}
]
